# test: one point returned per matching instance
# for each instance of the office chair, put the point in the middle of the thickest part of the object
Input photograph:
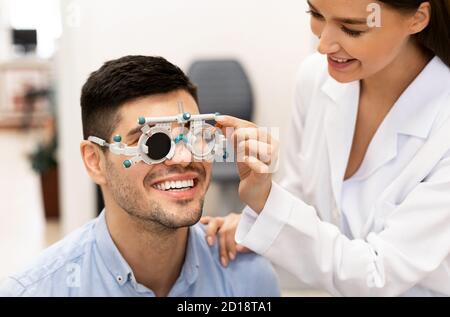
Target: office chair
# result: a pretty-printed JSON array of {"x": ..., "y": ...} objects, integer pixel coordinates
[{"x": 224, "y": 87}]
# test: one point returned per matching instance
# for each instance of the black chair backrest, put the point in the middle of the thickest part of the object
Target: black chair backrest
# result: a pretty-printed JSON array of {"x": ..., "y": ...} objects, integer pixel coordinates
[{"x": 223, "y": 86}]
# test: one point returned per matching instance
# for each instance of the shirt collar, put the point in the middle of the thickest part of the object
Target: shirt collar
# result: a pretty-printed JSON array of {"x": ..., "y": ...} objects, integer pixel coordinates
[
  {"x": 111, "y": 256},
  {"x": 192, "y": 262},
  {"x": 419, "y": 105},
  {"x": 122, "y": 272},
  {"x": 189, "y": 272}
]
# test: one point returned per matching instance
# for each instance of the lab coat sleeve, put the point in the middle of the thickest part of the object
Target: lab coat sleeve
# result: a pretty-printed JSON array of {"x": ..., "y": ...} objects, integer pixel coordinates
[{"x": 413, "y": 243}]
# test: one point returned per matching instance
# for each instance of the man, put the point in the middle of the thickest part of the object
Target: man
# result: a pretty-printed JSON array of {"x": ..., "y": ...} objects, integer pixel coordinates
[{"x": 147, "y": 241}]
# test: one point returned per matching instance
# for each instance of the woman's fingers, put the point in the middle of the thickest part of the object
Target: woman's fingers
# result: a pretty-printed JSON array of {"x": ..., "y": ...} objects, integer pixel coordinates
[
  {"x": 254, "y": 146},
  {"x": 255, "y": 133},
  {"x": 231, "y": 246},
  {"x": 227, "y": 243},
  {"x": 242, "y": 249},
  {"x": 257, "y": 143},
  {"x": 213, "y": 227},
  {"x": 260, "y": 150},
  {"x": 255, "y": 165},
  {"x": 256, "y": 160},
  {"x": 225, "y": 228},
  {"x": 224, "y": 258},
  {"x": 230, "y": 242},
  {"x": 205, "y": 220},
  {"x": 233, "y": 122}
]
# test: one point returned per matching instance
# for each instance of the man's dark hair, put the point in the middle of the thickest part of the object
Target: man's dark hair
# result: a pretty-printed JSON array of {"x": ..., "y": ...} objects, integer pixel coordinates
[{"x": 124, "y": 80}]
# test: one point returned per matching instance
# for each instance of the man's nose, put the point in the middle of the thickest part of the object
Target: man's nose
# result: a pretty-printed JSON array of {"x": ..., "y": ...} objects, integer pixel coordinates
[
  {"x": 328, "y": 44},
  {"x": 182, "y": 156}
]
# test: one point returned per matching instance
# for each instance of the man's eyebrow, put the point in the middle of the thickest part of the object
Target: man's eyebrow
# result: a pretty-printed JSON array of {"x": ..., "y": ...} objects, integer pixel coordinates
[
  {"x": 134, "y": 131},
  {"x": 137, "y": 130},
  {"x": 342, "y": 20}
]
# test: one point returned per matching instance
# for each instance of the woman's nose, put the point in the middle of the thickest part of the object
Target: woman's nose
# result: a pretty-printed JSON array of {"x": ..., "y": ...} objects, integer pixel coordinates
[{"x": 327, "y": 42}]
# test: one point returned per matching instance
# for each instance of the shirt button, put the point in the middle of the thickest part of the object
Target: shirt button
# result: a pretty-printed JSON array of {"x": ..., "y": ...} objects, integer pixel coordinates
[{"x": 119, "y": 279}]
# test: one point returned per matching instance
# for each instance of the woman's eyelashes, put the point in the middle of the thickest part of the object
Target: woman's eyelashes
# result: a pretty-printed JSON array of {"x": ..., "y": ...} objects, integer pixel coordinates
[
  {"x": 347, "y": 31},
  {"x": 351, "y": 33},
  {"x": 315, "y": 14}
]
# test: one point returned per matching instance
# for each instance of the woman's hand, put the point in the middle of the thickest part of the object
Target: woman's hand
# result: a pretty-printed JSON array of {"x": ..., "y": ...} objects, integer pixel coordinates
[
  {"x": 225, "y": 229},
  {"x": 257, "y": 153}
]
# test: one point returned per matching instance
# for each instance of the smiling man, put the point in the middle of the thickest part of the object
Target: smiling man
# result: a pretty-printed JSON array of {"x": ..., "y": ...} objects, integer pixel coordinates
[{"x": 147, "y": 241}]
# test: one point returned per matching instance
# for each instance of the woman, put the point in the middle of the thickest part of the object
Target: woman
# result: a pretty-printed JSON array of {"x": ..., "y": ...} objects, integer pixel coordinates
[{"x": 365, "y": 207}]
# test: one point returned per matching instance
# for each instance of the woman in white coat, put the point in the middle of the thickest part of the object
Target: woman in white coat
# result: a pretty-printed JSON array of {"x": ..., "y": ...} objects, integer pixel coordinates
[{"x": 364, "y": 209}]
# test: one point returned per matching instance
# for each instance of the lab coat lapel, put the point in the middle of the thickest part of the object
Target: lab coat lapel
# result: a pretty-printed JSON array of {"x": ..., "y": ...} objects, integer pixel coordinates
[
  {"x": 383, "y": 146},
  {"x": 340, "y": 117},
  {"x": 413, "y": 116}
]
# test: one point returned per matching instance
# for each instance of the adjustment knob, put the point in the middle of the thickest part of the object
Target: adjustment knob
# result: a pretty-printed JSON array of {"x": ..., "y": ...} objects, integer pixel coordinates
[
  {"x": 141, "y": 120},
  {"x": 127, "y": 164},
  {"x": 186, "y": 116}
]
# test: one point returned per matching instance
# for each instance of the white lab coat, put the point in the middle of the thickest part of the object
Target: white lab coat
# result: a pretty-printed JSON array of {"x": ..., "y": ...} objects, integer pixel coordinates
[{"x": 395, "y": 236}]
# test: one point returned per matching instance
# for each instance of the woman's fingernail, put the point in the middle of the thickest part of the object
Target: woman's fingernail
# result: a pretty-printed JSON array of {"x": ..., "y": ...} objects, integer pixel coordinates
[
  {"x": 224, "y": 261},
  {"x": 232, "y": 256},
  {"x": 210, "y": 241}
]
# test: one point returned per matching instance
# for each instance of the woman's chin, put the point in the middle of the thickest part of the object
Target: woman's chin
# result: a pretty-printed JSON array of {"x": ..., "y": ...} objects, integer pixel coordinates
[{"x": 343, "y": 78}]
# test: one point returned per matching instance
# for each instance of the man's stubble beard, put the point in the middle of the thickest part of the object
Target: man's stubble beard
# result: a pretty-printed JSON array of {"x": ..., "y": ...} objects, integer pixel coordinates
[{"x": 151, "y": 217}]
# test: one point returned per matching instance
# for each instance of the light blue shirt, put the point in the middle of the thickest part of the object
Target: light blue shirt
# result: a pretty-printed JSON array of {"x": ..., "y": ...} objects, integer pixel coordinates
[{"x": 87, "y": 263}]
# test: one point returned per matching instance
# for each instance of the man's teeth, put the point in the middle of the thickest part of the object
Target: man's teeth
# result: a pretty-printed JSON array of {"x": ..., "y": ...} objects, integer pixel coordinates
[{"x": 183, "y": 185}]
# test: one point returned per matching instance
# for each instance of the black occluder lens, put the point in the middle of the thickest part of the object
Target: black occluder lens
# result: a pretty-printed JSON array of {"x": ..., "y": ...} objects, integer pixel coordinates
[{"x": 158, "y": 146}]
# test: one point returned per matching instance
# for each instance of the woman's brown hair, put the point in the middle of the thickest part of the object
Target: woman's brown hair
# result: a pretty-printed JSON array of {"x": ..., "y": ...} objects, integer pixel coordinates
[{"x": 436, "y": 36}]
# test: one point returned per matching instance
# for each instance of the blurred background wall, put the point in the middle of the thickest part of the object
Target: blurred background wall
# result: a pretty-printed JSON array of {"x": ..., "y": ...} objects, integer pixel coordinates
[{"x": 75, "y": 37}]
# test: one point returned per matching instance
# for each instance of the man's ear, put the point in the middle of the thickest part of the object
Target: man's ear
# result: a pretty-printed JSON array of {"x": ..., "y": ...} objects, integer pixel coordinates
[
  {"x": 94, "y": 161},
  {"x": 421, "y": 18}
]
